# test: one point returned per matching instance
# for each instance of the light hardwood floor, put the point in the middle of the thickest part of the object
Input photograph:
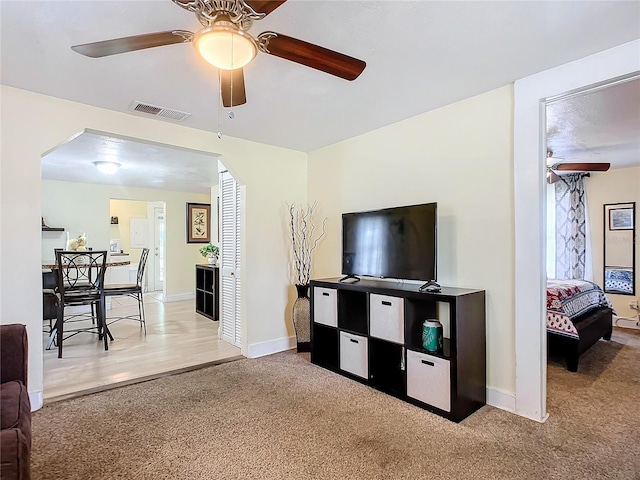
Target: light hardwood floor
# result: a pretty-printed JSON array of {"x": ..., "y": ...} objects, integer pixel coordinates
[{"x": 177, "y": 339}]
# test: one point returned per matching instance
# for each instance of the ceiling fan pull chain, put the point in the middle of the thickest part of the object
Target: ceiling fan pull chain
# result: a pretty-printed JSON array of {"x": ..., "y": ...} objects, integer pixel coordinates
[
  {"x": 231, "y": 114},
  {"x": 219, "y": 103}
]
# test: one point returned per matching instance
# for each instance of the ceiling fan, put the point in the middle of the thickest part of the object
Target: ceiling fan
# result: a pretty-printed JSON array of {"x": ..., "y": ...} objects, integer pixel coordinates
[
  {"x": 555, "y": 164},
  {"x": 224, "y": 42}
]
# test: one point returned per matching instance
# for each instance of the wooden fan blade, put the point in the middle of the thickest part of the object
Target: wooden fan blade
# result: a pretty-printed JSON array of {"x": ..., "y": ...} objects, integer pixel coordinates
[
  {"x": 130, "y": 44},
  {"x": 552, "y": 177},
  {"x": 581, "y": 167},
  {"x": 233, "y": 93},
  {"x": 312, "y": 55},
  {"x": 264, "y": 6}
]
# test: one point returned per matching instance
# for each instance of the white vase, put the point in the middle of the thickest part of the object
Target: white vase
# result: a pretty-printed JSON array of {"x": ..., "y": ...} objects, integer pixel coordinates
[{"x": 212, "y": 260}]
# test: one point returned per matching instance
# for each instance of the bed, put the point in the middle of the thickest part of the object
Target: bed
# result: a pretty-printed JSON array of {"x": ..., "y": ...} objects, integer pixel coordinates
[{"x": 578, "y": 315}]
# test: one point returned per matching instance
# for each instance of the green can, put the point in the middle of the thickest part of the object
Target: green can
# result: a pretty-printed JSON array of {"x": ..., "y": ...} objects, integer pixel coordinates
[{"x": 432, "y": 335}]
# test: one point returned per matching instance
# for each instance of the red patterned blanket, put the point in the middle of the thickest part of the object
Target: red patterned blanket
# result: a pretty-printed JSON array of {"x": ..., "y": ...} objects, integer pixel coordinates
[{"x": 567, "y": 300}]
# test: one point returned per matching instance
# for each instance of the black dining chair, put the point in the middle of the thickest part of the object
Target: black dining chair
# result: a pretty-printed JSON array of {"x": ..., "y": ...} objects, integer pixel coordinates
[
  {"x": 81, "y": 282},
  {"x": 133, "y": 290},
  {"x": 49, "y": 303},
  {"x": 93, "y": 313}
]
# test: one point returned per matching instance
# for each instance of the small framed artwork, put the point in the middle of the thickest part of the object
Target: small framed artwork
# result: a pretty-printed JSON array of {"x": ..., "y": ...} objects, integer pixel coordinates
[
  {"x": 198, "y": 222},
  {"x": 621, "y": 219}
]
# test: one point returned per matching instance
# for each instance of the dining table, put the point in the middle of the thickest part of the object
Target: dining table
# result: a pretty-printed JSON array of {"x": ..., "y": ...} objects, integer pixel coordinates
[{"x": 52, "y": 265}]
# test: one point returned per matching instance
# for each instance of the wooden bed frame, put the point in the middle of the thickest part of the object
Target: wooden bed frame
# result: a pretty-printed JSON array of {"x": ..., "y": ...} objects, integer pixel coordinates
[{"x": 591, "y": 326}]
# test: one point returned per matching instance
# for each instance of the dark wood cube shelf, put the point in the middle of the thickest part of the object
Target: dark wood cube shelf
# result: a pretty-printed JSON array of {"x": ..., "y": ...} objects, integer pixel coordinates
[
  {"x": 327, "y": 357},
  {"x": 385, "y": 319},
  {"x": 207, "y": 304},
  {"x": 352, "y": 311}
]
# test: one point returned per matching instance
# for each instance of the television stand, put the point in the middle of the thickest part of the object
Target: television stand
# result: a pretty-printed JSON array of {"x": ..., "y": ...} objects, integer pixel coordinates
[
  {"x": 349, "y": 279},
  {"x": 371, "y": 332},
  {"x": 430, "y": 286}
]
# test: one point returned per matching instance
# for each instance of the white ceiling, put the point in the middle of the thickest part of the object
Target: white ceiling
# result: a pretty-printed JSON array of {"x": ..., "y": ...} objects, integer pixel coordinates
[
  {"x": 602, "y": 125},
  {"x": 143, "y": 164},
  {"x": 420, "y": 55}
]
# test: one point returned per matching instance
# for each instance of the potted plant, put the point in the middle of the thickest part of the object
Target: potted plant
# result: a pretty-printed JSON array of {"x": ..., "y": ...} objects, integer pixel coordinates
[{"x": 210, "y": 252}]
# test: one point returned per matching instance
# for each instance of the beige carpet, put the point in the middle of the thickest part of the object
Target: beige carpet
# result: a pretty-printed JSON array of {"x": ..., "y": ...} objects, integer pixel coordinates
[{"x": 280, "y": 417}]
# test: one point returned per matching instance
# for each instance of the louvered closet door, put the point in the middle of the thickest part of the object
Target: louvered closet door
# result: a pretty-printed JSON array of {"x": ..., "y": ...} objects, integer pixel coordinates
[{"x": 230, "y": 311}]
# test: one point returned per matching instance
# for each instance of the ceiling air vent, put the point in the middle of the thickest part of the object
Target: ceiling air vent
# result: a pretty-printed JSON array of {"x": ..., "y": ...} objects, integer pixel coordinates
[{"x": 156, "y": 111}]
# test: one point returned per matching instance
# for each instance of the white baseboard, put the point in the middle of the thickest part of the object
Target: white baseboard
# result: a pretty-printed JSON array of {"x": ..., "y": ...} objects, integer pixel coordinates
[
  {"x": 507, "y": 401},
  {"x": 37, "y": 400},
  {"x": 261, "y": 349},
  {"x": 626, "y": 322},
  {"x": 501, "y": 399},
  {"x": 178, "y": 297}
]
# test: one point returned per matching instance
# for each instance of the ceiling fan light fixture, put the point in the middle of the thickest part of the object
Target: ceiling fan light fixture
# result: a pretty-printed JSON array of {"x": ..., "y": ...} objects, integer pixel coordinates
[
  {"x": 225, "y": 47},
  {"x": 108, "y": 168}
]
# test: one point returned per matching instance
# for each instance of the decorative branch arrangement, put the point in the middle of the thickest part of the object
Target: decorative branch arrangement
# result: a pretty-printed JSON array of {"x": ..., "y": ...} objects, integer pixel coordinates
[{"x": 302, "y": 228}]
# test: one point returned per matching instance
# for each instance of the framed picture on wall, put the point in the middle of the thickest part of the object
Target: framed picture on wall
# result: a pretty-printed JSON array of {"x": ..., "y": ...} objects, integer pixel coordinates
[
  {"x": 198, "y": 222},
  {"x": 621, "y": 219}
]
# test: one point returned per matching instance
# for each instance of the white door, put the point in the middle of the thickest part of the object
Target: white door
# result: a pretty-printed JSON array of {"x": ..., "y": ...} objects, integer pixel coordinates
[
  {"x": 158, "y": 248},
  {"x": 230, "y": 223},
  {"x": 156, "y": 261}
]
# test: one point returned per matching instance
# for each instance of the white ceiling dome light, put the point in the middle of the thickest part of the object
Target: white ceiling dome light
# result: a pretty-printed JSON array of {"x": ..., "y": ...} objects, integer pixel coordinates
[
  {"x": 225, "y": 46},
  {"x": 108, "y": 168}
]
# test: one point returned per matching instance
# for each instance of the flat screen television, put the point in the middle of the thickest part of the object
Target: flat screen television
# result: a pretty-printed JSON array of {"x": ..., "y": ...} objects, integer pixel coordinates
[{"x": 395, "y": 242}]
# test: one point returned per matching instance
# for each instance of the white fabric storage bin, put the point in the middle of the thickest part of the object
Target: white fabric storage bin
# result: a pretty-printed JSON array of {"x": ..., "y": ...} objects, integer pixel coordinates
[
  {"x": 429, "y": 379},
  {"x": 354, "y": 354},
  {"x": 325, "y": 306},
  {"x": 386, "y": 319}
]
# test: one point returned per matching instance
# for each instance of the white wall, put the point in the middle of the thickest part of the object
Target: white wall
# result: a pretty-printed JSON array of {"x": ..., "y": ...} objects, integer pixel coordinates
[
  {"x": 215, "y": 193},
  {"x": 459, "y": 156},
  {"x": 615, "y": 186},
  {"x": 125, "y": 210},
  {"x": 86, "y": 207},
  {"x": 32, "y": 124}
]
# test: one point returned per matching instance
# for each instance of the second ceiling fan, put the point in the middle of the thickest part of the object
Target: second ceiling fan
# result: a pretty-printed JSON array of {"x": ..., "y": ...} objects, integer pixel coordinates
[
  {"x": 555, "y": 166},
  {"x": 224, "y": 42}
]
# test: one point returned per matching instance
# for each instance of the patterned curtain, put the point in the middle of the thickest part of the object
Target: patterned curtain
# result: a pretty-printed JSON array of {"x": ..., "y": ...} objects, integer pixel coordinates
[{"x": 571, "y": 228}]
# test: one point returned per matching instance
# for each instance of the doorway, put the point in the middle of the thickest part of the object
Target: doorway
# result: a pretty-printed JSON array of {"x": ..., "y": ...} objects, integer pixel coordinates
[
  {"x": 156, "y": 245},
  {"x": 177, "y": 338},
  {"x": 531, "y": 93}
]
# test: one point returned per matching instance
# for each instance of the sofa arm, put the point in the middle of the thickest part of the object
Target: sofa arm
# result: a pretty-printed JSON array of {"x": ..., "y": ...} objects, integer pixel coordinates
[
  {"x": 13, "y": 353},
  {"x": 15, "y": 453}
]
